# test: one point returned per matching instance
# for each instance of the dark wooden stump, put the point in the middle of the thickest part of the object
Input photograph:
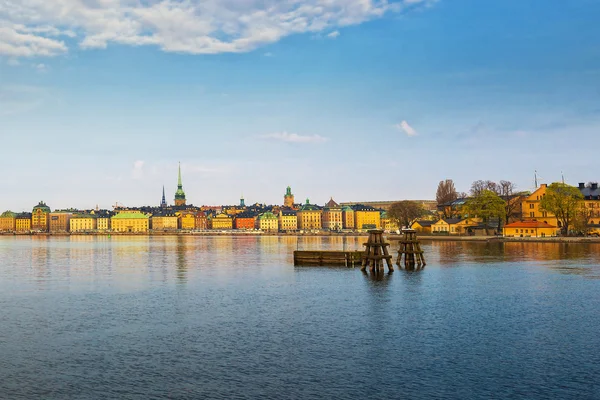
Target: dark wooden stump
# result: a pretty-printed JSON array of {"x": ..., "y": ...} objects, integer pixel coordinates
[
  {"x": 375, "y": 252},
  {"x": 410, "y": 248}
]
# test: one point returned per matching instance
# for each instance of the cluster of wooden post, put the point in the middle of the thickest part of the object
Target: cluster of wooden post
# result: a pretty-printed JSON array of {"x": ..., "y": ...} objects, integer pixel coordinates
[
  {"x": 375, "y": 252},
  {"x": 410, "y": 249}
]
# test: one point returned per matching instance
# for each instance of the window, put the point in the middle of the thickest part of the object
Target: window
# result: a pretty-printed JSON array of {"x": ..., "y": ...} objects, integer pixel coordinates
[
  {"x": 531, "y": 206},
  {"x": 532, "y": 214}
]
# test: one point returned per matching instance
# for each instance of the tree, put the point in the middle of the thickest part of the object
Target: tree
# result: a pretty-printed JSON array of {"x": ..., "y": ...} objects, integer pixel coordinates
[
  {"x": 404, "y": 212},
  {"x": 581, "y": 219},
  {"x": 446, "y": 192},
  {"x": 479, "y": 186},
  {"x": 506, "y": 191},
  {"x": 487, "y": 205},
  {"x": 563, "y": 201}
]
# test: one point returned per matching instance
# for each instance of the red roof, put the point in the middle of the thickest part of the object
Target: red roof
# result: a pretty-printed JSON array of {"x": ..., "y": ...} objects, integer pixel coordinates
[{"x": 529, "y": 224}]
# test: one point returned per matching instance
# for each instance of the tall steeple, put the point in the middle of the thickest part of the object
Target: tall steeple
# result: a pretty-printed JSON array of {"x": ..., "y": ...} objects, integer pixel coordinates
[
  {"x": 163, "y": 203},
  {"x": 179, "y": 194}
]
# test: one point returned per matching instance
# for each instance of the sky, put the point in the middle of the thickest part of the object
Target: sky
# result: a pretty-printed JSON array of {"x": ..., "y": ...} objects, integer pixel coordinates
[{"x": 359, "y": 100}]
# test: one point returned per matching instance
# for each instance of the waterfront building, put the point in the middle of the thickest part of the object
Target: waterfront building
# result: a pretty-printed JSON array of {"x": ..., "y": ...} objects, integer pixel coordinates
[
  {"x": 201, "y": 220},
  {"x": 268, "y": 222},
  {"x": 39, "y": 217},
  {"x": 244, "y": 221},
  {"x": 179, "y": 194},
  {"x": 530, "y": 229},
  {"x": 332, "y": 216},
  {"x": 59, "y": 221},
  {"x": 164, "y": 221},
  {"x": 288, "y": 198},
  {"x": 129, "y": 221},
  {"x": 348, "y": 217},
  {"x": 23, "y": 222},
  {"x": 8, "y": 222},
  {"x": 366, "y": 217},
  {"x": 591, "y": 202},
  {"x": 83, "y": 223},
  {"x": 309, "y": 216},
  {"x": 220, "y": 221},
  {"x": 103, "y": 223},
  {"x": 187, "y": 220},
  {"x": 288, "y": 220},
  {"x": 422, "y": 226},
  {"x": 531, "y": 207},
  {"x": 454, "y": 226}
]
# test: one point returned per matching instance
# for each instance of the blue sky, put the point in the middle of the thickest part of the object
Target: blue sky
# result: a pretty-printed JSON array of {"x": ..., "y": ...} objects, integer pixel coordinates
[{"x": 355, "y": 99}]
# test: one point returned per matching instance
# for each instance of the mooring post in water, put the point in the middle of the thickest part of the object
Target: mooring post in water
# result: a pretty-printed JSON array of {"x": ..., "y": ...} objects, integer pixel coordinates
[
  {"x": 410, "y": 248},
  {"x": 376, "y": 251}
]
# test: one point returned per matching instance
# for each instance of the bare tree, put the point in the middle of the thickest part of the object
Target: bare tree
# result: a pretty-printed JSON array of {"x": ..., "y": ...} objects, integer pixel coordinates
[
  {"x": 479, "y": 186},
  {"x": 507, "y": 192},
  {"x": 404, "y": 212},
  {"x": 446, "y": 192}
]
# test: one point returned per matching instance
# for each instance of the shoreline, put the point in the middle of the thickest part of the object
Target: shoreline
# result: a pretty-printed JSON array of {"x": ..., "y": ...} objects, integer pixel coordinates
[{"x": 389, "y": 237}]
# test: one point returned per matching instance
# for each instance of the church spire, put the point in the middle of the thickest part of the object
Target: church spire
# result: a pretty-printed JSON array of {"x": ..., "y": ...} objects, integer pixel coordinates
[
  {"x": 163, "y": 202},
  {"x": 179, "y": 194}
]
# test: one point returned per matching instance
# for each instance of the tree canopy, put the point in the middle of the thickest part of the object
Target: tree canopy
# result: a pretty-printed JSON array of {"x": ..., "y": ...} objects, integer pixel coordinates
[
  {"x": 446, "y": 192},
  {"x": 563, "y": 201},
  {"x": 404, "y": 212},
  {"x": 486, "y": 205}
]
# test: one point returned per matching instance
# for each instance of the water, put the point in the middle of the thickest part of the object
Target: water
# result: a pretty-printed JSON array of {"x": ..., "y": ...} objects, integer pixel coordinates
[{"x": 231, "y": 318}]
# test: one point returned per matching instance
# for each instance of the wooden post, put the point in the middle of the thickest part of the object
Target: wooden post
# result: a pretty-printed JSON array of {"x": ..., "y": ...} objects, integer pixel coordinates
[
  {"x": 376, "y": 251},
  {"x": 410, "y": 248}
]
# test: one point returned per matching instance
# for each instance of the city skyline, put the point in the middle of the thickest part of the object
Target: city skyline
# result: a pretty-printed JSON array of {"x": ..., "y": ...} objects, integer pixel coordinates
[{"x": 99, "y": 110}]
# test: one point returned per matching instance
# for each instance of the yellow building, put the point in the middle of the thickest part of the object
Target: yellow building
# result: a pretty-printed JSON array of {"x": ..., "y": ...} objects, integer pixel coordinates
[
  {"x": 332, "y": 216},
  {"x": 164, "y": 221},
  {"x": 39, "y": 217},
  {"x": 530, "y": 229},
  {"x": 82, "y": 223},
  {"x": 129, "y": 221},
  {"x": 366, "y": 217},
  {"x": 288, "y": 220},
  {"x": 23, "y": 222},
  {"x": 268, "y": 222},
  {"x": 530, "y": 207},
  {"x": 348, "y": 217},
  {"x": 103, "y": 223},
  {"x": 187, "y": 220},
  {"x": 309, "y": 216},
  {"x": 221, "y": 221},
  {"x": 8, "y": 221},
  {"x": 454, "y": 226},
  {"x": 422, "y": 226}
]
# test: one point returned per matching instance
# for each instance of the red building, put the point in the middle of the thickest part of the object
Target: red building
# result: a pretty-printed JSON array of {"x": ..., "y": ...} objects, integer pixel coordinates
[
  {"x": 244, "y": 221},
  {"x": 201, "y": 220}
]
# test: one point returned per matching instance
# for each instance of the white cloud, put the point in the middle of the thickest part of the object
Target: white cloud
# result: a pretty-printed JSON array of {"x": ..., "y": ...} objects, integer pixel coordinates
[
  {"x": 41, "y": 68},
  {"x": 138, "y": 170},
  {"x": 295, "y": 138},
  {"x": 333, "y": 34},
  {"x": 406, "y": 128},
  {"x": 33, "y": 27}
]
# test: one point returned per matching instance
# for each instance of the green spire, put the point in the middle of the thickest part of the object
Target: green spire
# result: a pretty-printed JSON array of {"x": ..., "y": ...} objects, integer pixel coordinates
[
  {"x": 179, "y": 194},
  {"x": 288, "y": 191},
  {"x": 179, "y": 185}
]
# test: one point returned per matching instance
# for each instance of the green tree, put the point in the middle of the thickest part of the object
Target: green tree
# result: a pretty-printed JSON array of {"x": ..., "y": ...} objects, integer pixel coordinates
[
  {"x": 486, "y": 205},
  {"x": 404, "y": 212},
  {"x": 563, "y": 201}
]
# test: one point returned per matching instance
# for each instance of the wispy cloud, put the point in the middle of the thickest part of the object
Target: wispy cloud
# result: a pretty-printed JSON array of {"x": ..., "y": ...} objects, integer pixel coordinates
[
  {"x": 333, "y": 34},
  {"x": 406, "y": 128},
  {"x": 44, "y": 28},
  {"x": 268, "y": 54},
  {"x": 41, "y": 68},
  {"x": 295, "y": 138}
]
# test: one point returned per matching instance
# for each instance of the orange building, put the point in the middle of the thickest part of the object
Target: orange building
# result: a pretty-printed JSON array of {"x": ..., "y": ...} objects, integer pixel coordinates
[
  {"x": 530, "y": 229},
  {"x": 201, "y": 220},
  {"x": 244, "y": 221}
]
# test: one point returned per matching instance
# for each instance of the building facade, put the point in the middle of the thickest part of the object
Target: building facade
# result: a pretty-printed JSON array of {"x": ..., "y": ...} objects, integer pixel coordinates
[
  {"x": 348, "y": 217},
  {"x": 309, "y": 216},
  {"x": 268, "y": 222},
  {"x": 8, "y": 221},
  {"x": 39, "y": 217},
  {"x": 187, "y": 220},
  {"x": 201, "y": 220},
  {"x": 130, "y": 222},
  {"x": 244, "y": 221},
  {"x": 82, "y": 223},
  {"x": 23, "y": 222},
  {"x": 288, "y": 220},
  {"x": 530, "y": 229},
  {"x": 332, "y": 216},
  {"x": 366, "y": 217},
  {"x": 164, "y": 221},
  {"x": 59, "y": 222},
  {"x": 221, "y": 221}
]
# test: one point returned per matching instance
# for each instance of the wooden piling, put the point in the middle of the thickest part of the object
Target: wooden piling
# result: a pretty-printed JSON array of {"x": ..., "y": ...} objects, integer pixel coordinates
[
  {"x": 410, "y": 248},
  {"x": 376, "y": 251}
]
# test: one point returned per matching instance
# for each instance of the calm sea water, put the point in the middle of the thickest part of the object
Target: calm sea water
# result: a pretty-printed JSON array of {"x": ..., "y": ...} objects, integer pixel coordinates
[{"x": 232, "y": 318}]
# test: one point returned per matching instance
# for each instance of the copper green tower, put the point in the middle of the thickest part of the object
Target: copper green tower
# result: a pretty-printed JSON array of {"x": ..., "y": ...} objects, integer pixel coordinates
[{"x": 179, "y": 194}]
